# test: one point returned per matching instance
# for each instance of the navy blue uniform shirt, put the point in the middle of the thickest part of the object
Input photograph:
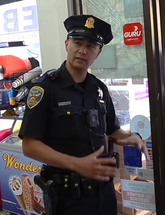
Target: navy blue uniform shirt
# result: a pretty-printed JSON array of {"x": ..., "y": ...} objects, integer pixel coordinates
[{"x": 55, "y": 114}]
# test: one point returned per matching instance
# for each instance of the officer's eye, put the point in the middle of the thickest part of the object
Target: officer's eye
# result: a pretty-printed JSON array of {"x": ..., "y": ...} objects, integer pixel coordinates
[
  {"x": 91, "y": 46},
  {"x": 77, "y": 42}
]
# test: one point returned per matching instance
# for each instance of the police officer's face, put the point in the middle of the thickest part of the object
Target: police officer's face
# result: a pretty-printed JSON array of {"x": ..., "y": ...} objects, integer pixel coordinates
[{"x": 81, "y": 53}]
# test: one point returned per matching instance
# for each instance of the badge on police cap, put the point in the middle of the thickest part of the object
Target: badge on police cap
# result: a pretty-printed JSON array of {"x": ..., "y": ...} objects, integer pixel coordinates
[
  {"x": 35, "y": 96},
  {"x": 90, "y": 22},
  {"x": 88, "y": 27}
]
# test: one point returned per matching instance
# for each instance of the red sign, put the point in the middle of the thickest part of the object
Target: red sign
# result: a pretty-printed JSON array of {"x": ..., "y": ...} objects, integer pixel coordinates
[
  {"x": 138, "y": 194},
  {"x": 138, "y": 197},
  {"x": 132, "y": 33}
]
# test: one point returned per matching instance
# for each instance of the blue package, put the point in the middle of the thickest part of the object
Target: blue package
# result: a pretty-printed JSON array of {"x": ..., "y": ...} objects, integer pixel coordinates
[{"x": 132, "y": 156}]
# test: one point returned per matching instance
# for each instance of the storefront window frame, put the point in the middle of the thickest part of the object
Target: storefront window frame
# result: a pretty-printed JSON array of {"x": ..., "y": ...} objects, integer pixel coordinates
[{"x": 155, "y": 47}]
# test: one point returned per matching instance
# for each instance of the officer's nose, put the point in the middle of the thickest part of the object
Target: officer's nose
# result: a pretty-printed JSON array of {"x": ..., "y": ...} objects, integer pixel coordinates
[{"x": 83, "y": 50}]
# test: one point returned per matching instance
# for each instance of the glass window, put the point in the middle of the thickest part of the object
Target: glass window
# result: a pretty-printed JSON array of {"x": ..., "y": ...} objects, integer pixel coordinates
[{"x": 122, "y": 67}]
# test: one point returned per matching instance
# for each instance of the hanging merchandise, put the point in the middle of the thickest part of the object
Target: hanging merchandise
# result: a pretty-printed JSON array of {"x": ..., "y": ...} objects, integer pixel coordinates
[{"x": 17, "y": 69}]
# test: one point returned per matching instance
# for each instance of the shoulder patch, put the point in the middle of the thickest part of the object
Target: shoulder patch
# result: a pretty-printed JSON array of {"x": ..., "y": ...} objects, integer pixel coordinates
[{"x": 35, "y": 96}]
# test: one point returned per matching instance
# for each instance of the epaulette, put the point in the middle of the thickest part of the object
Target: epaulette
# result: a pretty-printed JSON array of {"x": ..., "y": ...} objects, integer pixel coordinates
[
  {"x": 40, "y": 79},
  {"x": 52, "y": 74}
]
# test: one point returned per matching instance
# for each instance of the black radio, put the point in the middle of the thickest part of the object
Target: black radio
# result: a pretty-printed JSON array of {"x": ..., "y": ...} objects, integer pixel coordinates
[{"x": 115, "y": 155}]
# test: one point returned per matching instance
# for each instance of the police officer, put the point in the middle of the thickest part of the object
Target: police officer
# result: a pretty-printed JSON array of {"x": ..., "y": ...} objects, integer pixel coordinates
[{"x": 69, "y": 112}]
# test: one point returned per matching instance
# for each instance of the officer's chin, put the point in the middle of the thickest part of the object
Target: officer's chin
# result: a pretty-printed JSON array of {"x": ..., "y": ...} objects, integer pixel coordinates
[{"x": 80, "y": 66}]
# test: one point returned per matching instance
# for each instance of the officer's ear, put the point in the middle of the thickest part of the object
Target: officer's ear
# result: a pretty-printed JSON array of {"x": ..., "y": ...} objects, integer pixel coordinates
[
  {"x": 66, "y": 44},
  {"x": 99, "y": 51}
]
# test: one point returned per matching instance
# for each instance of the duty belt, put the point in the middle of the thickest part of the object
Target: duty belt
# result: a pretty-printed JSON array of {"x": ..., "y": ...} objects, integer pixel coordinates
[
  {"x": 73, "y": 184},
  {"x": 57, "y": 186}
]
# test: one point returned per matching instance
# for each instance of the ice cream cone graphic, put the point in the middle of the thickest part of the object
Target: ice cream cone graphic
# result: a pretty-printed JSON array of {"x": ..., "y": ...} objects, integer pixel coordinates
[
  {"x": 16, "y": 187},
  {"x": 21, "y": 202}
]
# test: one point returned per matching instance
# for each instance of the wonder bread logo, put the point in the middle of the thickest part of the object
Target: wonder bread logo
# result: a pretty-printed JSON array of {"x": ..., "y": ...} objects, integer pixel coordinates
[{"x": 12, "y": 161}]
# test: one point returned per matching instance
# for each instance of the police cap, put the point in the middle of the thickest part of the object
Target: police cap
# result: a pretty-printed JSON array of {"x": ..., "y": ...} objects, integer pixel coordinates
[{"x": 88, "y": 27}]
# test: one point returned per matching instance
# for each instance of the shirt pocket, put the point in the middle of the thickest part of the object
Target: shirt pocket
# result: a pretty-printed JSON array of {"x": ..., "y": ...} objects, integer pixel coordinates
[{"x": 67, "y": 121}]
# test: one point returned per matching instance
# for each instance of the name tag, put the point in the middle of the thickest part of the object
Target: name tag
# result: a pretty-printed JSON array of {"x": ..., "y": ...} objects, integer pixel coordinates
[{"x": 64, "y": 103}]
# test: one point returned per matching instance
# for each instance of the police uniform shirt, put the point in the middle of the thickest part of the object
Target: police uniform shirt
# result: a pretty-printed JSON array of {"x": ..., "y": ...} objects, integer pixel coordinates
[{"x": 56, "y": 114}]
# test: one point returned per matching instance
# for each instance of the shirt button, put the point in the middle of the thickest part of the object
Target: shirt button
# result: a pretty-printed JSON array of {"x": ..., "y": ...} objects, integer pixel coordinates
[
  {"x": 65, "y": 185},
  {"x": 68, "y": 112},
  {"x": 66, "y": 180}
]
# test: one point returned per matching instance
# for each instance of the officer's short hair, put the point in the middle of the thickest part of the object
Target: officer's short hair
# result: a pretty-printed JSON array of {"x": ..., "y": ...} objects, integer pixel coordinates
[{"x": 88, "y": 27}]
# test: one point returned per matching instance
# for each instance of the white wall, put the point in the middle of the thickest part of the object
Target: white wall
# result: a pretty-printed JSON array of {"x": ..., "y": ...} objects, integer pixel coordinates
[{"x": 51, "y": 15}]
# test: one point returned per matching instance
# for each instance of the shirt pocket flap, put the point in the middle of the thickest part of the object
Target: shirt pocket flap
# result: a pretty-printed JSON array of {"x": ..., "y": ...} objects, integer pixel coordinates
[{"x": 68, "y": 110}]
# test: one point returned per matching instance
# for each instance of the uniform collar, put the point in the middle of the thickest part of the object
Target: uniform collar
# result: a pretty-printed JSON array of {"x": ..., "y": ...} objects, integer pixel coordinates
[
  {"x": 66, "y": 77},
  {"x": 68, "y": 80}
]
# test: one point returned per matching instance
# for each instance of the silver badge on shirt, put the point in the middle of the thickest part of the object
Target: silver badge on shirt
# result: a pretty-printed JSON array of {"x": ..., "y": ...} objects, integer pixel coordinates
[{"x": 100, "y": 93}]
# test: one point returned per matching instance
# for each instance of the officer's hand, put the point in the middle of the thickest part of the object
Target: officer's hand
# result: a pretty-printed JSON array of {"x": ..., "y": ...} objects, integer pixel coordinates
[
  {"x": 97, "y": 168},
  {"x": 136, "y": 141}
]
